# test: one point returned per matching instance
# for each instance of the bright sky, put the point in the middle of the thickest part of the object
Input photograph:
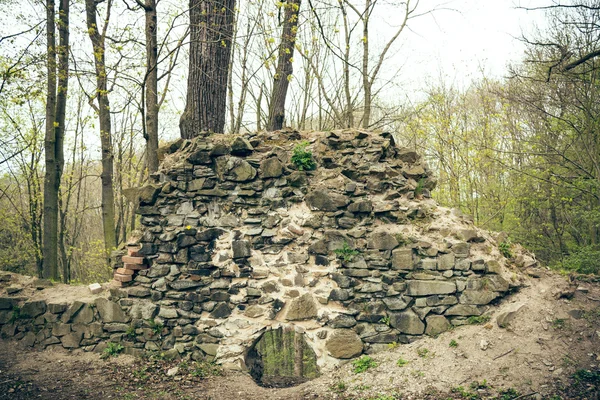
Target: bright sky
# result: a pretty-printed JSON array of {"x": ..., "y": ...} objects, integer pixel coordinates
[{"x": 466, "y": 36}]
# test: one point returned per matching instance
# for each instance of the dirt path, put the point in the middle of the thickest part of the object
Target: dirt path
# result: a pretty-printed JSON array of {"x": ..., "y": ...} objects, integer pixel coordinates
[{"x": 550, "y": 348}]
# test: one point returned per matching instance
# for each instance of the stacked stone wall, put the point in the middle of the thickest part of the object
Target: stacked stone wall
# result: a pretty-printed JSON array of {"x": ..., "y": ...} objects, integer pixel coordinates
[{"x": 353, "y": 254}]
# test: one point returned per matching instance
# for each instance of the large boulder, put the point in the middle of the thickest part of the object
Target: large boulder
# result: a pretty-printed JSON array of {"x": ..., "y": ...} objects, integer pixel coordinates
[
  {"x": 323, "y": 200},
  {"x": 427, "y": 288},
  {"x": 407, "y": 322},
  {"x": 109, "y": 311},
  {"x": 32, "y": 309},
  {"x": 344, "y": 343},
  {"x": 301, "y": 308},
  {"x": 436, "y": 324}
]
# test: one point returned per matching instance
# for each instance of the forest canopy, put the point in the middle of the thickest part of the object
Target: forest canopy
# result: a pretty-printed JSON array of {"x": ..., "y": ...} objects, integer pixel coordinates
[{"x": 89, "y": 89}]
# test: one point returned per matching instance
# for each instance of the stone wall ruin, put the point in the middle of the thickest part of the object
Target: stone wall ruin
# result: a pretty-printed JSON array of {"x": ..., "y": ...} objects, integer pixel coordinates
[{"x": 237, "y": 241}]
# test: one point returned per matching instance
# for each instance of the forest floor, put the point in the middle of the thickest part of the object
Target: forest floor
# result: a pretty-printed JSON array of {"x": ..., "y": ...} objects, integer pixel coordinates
[{"x": 550, "y": 350}]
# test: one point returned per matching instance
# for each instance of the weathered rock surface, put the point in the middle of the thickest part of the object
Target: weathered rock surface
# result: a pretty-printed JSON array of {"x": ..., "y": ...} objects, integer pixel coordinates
[{"x": 344, "y": 343}]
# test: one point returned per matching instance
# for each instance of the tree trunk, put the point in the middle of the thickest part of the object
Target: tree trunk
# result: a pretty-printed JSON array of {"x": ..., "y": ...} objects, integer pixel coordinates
[
  {"x": 285, "y": 69},
  {"x": 56, "y": 102},
  {"x": 108, "y": 197},
  {"x": 151, "y": 87},
  {"x": 365, "y": 67},
  {"x": 50, "y": 227},
  {"x": 61, "y": 107},
  {"x": 211, "y": 28}
]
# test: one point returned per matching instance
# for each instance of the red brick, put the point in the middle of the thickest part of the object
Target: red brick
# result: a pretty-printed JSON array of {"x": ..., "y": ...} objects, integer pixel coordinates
[
  {"x": 125, "y": 271},
  {"x": 134, "y": 252},
  {"x": 134, "y": 260},
  {"x": 135, "y": 267},
  {"x": 123, "y": 278},
  {"x": 115, "y": 283}
]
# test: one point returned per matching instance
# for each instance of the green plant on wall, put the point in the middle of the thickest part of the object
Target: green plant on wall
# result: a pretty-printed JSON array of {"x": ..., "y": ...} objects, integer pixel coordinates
[
  {"x": 112, "y": 350},
  {"x": 303, "y": 158},
  {"x": 345, "y": 253},
  {"x": 504, "y": 248}
]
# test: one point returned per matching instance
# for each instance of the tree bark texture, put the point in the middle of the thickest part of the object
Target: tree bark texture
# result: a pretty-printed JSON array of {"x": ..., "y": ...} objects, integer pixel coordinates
[
  {"x": 284, "y": 72},
  {"x": 366, "y": 119},
  {"x": 151, "y": 102},
  {"x": 108, "y": 197},
  {"x": 211, "y": 29},
  {"x": 56, "y": 100}
]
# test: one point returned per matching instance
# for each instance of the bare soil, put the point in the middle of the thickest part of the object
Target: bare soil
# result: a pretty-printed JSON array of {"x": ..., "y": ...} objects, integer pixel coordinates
[{"x": 551, "y": 348}]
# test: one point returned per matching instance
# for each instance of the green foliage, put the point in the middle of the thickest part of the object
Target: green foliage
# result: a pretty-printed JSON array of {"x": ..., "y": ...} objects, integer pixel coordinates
[
  {"x": 478, "y": 319},
  {"x": 130, "y": 333},
  {"x": 401, "y": 362},
  {"x": 508, "y": 394},
  {"x": 504, "y": 248},
  {"x": 14, "y": 315},
  {"x": 362, "y": 364},
  {"x": 453, "y": 343},
  {"x": 204, "y": 369},
  {"x": 339, "y": 387},
  {"x": 303, "y": 158},
  {"x": 587, "y": 376},
  {"x": 112, "y": 350},
  {"x": 156, "y": 327},
  {"x": 479, "y": 385},
  {"x": 424, "y": 353},
  {"x": 420, "y": 187},
  {"x": 465, "y": 393},
  {"x": 584, "y": 260},
  {"x": 385, "y": 320},
  {"x": 346, "y": 253},
  {"x": 560, "y": 323}
]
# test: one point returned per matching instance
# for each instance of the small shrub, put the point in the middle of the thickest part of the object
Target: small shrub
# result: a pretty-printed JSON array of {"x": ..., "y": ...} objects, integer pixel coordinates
[
  {"x": 402, "y": 362},
  {"x": 130, "y": 333},
  {"x": 586, "y": 260},
  {"x": 479, "y": 385},
  {"x": 559, "y": 323},
  {"x": 587, "y": 376},
  {"x": 508, "y": 394},
  {"x": 464, "y": 393},
  {"x": 393, "y": 345},
  {"x": 204, "y": 369},
  {"x": 155, "y": 326},
  {"x": 345, "y": 253},
  {"x": 339, "y": 387},
  {"x": 423, "y": 352},
  {"x": 478, "y": 319},
  {"x": 112, "y": 350},
  {"x": 141, "y": 374},
  {"x": 303, "y": 158},
  {"x": 453, "y": 343},
  {"x": 420, "y": 187},
  {"x": 385, "y": 320},
  {"x": 362, "y": 364},
  {"x": 504, "y": 248},
  {"x": 14, "y": 315}
]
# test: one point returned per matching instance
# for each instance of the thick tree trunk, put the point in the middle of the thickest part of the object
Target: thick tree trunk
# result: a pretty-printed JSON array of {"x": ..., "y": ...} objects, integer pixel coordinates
[
  {"x": 50, "y": 226},
  {"x": 211, "y": 29},
  {"x": 285, "y": 69},
  {"x": 61, "y": 109},
  {"x": 366, "y": 118},
  {"x": 53, "y": 142},
  {"x": 108, "y": 197},
  {"x": 151, "y": 87}
]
